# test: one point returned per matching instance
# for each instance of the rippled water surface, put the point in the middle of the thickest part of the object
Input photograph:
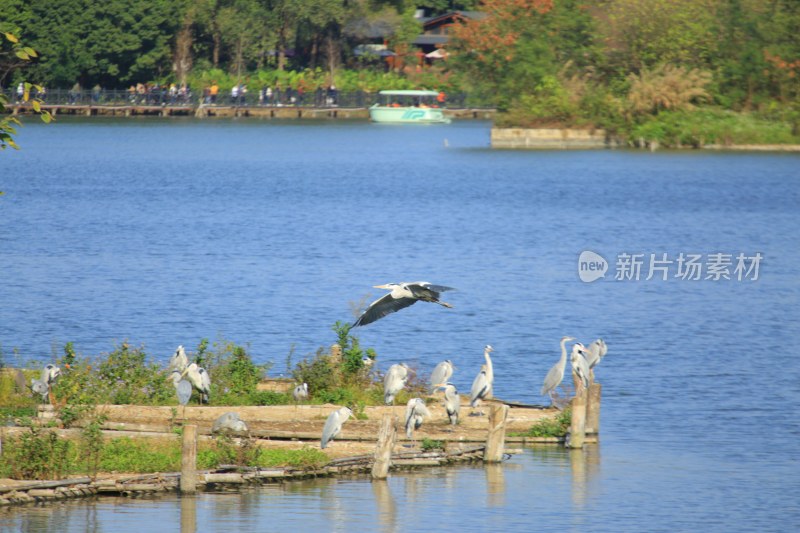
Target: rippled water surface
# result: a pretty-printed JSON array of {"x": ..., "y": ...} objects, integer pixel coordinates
[{"x": 165, "y": 232}]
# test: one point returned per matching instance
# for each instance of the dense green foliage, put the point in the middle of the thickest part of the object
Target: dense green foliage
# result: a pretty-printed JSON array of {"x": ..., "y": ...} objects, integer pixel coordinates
[
  {"x": 623, "y": 65},
  {"x": 630, "y": 65}
]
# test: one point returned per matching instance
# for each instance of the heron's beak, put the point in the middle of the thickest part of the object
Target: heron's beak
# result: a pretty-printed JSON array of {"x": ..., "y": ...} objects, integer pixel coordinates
[{"x": 385, "y": 286}]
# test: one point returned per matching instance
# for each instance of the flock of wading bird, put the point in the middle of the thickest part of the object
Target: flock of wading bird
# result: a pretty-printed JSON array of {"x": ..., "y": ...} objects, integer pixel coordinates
[
  {"x": 401, "y": 295},
  {"x": 189, "y": 376}
]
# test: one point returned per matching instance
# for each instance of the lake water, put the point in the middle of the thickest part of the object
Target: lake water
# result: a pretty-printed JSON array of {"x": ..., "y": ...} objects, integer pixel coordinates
[{"x": 264, "y": 233}]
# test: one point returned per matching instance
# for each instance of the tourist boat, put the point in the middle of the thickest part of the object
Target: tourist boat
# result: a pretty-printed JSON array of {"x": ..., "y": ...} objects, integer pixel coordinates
[{"x": 402, "y": 107}]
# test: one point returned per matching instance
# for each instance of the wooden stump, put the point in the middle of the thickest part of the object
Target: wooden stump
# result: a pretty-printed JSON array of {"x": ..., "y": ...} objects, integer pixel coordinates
[
  {"x": 189, "y": 460},
  {"x": 383, "y": 452},
  {"x": 495, "y": 440},
  {"x": 577, "y": 428},
  {"x": 593, "y": 409}
]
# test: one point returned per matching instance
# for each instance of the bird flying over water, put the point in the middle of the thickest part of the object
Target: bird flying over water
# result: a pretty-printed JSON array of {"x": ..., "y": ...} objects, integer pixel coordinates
[{"x": 401, "y": 296}]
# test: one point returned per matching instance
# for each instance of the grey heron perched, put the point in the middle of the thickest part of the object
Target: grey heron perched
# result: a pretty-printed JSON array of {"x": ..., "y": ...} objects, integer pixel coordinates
[
  {"x": 416, "y": 411},
  {"x": 442, "y": 373},
  {"x": 229, "y": 423},
  {"x": 300, "y": 392},
  {"x": 452, "y": 401},
  {"x": 556, "y": 374},
  {"x": 394, "y": 381},
  {"x": 333, "y": 425},
  {"x": 182, "y": 387},
  {"x": 178, "y": 361},
  {"x": 579, "y": 364},
  {"x": 484, "y": 381},
  {"x": 200, "y": 380},
  {"x": 401, "y": 296},
  {"x": 595, "y": 352},
  {"x": 41, "y": 386}
]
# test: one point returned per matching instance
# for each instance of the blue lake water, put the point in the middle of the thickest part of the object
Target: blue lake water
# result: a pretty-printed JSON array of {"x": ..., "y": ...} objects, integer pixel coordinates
[{"x": 165, "y": 232}]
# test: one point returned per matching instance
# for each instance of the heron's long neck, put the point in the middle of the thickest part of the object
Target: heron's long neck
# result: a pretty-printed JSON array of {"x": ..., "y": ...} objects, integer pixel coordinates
[
  {"x": 489, "y": 369},
  {"x": 563, "y": 353}
]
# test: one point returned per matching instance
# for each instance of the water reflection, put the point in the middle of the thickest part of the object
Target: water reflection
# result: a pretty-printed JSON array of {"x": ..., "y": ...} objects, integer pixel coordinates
[
  {"x": 188, "y": 514},
  {"x": 387, "y": 511},
  {"x": 584, "y": 465},
  {"x": 495, "y": 485}
]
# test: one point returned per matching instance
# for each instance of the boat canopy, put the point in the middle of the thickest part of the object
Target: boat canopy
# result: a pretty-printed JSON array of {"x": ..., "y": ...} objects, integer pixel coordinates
[{"x": 409, "y": 93}]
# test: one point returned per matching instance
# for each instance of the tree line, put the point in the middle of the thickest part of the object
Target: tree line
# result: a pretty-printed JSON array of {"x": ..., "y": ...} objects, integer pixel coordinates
[{"x": 609, "y": 63}]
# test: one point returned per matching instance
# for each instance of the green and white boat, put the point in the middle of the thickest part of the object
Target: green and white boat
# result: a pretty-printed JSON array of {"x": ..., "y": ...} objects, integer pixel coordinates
[{"x": 408, "y": 107}]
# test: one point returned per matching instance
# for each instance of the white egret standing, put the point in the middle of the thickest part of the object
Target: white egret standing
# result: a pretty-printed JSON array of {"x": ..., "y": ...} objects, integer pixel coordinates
[
  {"x": 489, "y": 368},
  {"x": 333, "y": 425},
  {"x": 452, "y": 401},
  {"x": 300, "y": 392},
  {"x": 442, "y": 373},
  {"x": 178, "y": 361},
  {"x": 401, "y": 296},
  {"x": 556, "y": 374},
  {"x": 394, "y": 381},
  {"x": 416, "y": 411}
]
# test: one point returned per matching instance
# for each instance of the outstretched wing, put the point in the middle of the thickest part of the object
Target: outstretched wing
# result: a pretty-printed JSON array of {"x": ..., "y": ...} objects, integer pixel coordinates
[{"x": 381, "y": 307}]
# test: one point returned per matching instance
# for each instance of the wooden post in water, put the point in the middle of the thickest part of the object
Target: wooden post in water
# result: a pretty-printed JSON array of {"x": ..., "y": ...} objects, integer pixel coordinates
[
  {"x": 383, "y": 452},
  {"x": 495, "y": 440},
  {"x": 189, "y": 460},
  {"x": 577, "y": 427},
  {"x": 593, "y": 409}
]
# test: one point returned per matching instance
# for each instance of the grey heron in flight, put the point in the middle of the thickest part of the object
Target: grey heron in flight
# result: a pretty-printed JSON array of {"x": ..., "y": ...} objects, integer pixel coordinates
[
  {"x": 442, "y": 373},
  {"x": 394, "y": 381},
  {"x": 556, "y": 374},
  {"x": 416, "y": 411},
  {"x": 300, "y": 392},
  {"x": 200, "y": 380},
  {"x": 229, "y": 423},
  {"x": 401, "y": 296},
  {"x": 452, "y": 401},
  {"x": 333, "y": 425},
  {"x": 484, "y": 381}
]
